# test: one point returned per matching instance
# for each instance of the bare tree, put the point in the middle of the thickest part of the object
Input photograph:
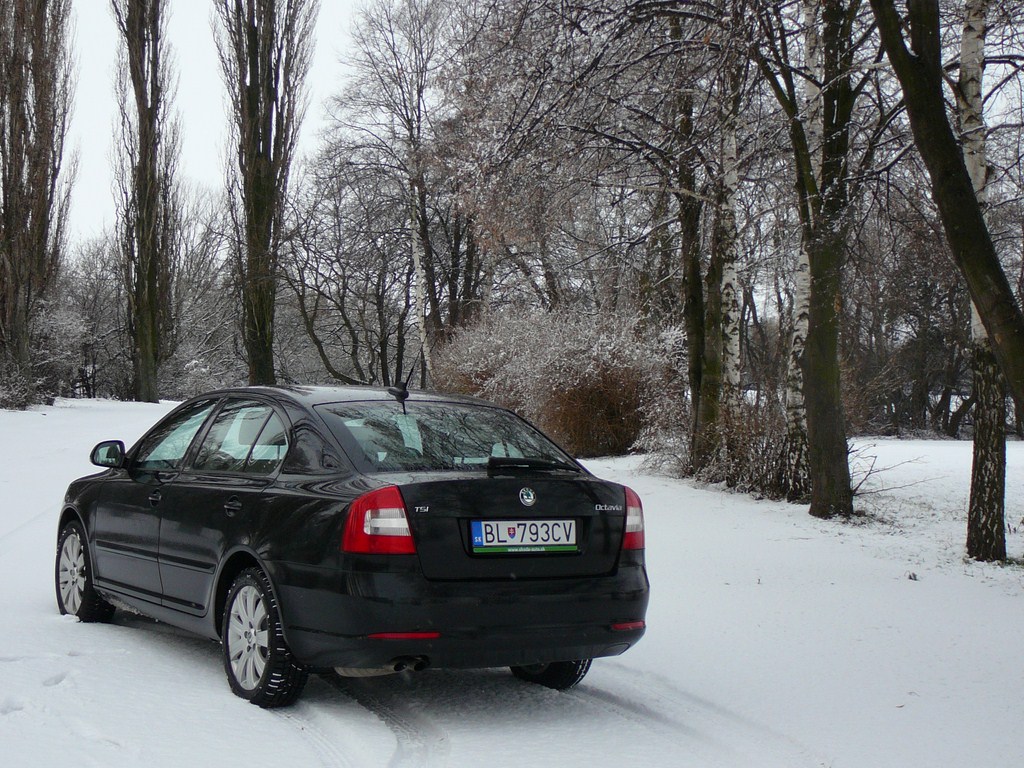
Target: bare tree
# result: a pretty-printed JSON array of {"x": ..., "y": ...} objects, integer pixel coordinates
[
  {"x": 638, "y": 81},
  {"x": 821, "y": 126},
  {"x": 397, "y": 62},
  {"x": 35, "y": 96},
  {"x": 147, "y": 205},
  {"x": 204, "y": 343},
  {"x": 920, "y": 72},
  {"x": 350, "y": 269},
  {"x": 265, "y": 47},
  {"x": 986, "y": 531},
  {"x": 720, "y": 399},
  {"x": 94, "y": 289}
]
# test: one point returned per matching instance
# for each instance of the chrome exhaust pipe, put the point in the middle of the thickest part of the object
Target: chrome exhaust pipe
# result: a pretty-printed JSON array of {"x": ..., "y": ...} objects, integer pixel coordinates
[{"x": 410, "y": 663}]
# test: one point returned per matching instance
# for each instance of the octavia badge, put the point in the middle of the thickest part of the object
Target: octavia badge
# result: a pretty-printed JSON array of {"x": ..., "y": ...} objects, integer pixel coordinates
[{"x": 528, "y": 497}]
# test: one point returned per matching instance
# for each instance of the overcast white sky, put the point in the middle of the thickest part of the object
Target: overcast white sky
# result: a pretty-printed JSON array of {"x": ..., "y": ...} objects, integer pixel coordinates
[{"x": 200, "y": 100}]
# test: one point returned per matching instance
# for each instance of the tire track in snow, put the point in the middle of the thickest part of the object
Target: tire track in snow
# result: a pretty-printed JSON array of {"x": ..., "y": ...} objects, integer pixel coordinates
[
  {"x": 628, "y": 709},
  {"x": 640, "y": 698},
  {"x": 328, "y": 752},
  {"x": 26, "y": 524},
  {"x": 420, "y": 741},
  {"x": 634, "y": 713}
]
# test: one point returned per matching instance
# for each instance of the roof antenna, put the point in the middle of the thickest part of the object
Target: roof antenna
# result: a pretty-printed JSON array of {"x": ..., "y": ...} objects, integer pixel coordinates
[{"x": 401, "y": 390}]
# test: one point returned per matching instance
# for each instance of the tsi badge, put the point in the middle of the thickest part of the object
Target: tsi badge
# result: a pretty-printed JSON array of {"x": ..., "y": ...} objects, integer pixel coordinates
[{"x": 528, "y": 497}]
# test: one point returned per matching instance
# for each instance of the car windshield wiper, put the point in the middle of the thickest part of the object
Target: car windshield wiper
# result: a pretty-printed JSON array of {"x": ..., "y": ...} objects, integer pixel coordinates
[{"x": 496, "y": 464}]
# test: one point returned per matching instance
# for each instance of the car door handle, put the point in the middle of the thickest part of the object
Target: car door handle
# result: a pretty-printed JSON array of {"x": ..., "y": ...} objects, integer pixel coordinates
[
  {"x": 232, "y": 506},
  {"x": 154, "y": 498}
]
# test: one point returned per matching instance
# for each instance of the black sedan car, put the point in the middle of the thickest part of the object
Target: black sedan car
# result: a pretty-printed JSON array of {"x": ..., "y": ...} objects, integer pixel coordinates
[{"x": 364, "y": 530}]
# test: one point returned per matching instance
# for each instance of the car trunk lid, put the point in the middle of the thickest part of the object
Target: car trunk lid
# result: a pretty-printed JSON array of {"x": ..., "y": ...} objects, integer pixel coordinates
[{"x": 536, "y": 525}]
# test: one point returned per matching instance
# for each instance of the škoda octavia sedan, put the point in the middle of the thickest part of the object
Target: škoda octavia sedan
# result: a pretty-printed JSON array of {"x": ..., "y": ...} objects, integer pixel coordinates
[{"x": 364, "y": 530}]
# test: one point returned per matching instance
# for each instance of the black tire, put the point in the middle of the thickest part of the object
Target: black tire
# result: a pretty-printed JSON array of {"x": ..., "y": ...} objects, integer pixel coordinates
[
  {"x": 259, "y": 665},
  {"x": 76, "y": 595},
  {"x": 560, "y": 675}
]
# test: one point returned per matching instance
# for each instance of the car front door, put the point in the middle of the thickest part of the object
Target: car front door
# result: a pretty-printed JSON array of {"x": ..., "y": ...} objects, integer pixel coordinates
[
  {"x": 126, "y": 521},
  {"x": 217, "y": 497}
]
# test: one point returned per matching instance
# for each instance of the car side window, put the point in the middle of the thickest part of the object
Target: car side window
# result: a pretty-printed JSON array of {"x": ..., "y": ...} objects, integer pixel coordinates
[
  {"x": 244, "y": 437},
  {"x": 231, "y": 436},
  {"x": 164, "y": 448},
  {"x": 309, "y": 453},
  {"x": 269, "y": 449}
]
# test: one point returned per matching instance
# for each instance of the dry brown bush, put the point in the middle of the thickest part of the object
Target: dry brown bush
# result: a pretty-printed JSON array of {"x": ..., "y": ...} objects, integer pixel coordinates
[{"x": 594, "y": 386}]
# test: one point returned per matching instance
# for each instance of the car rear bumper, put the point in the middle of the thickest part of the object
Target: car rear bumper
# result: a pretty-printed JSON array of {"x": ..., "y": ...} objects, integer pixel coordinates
[{"x": 329, "y": 617}]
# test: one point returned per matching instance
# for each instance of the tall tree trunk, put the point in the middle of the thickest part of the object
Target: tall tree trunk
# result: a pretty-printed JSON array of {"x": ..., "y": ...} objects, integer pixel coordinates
[
  {"x": 35, "y": 95},
  {"x": 796, "y": 477},
  {"x": 265, "y": 49},
  {"x": 728, "y": 238},
  {"x": 822, "y": 161},
  {"x": 420, "y": 303},
  {"x": 986, "y": 526},
  {"x": 720, "y": 379},
  {"x": 145, "y": 169},
  {"x": 986, "y": 529},
  {"x": 920, "y": 73},
  {"x": 827, "y": 458}
]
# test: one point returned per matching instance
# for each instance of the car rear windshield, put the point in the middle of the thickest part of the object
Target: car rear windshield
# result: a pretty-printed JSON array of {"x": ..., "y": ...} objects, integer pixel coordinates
[{"x": 380, "y": 437}]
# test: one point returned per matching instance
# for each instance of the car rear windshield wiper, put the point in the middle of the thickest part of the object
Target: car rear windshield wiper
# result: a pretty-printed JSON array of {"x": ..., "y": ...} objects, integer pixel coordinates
[{"x": 497, "y": 464}]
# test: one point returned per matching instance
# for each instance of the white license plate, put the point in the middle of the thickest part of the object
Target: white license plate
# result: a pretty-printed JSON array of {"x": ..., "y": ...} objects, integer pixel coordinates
[{"x": 502, "y": 536}]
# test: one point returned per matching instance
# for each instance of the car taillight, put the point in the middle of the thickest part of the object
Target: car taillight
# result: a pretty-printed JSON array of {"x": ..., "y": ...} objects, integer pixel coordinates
[
  {"x": 634, "y": 535},
  {"x": 377, "y": 524},
  {"x": 629, "y": 626}
]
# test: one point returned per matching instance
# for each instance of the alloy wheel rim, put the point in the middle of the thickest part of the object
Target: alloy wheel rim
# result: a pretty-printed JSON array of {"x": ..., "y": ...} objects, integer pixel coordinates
[
  {"x": 247, "y": 637},
  {"x": 71, "y": 576}
]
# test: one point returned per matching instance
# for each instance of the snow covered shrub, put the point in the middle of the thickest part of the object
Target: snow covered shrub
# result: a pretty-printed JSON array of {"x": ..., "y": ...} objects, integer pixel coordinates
[
  {"x": 17, "y": 391},
  {"x": 751, "y": 453},
  {"x": 59, "y": 335},
  {"x": 591, "y": 383},
  {"x": 182, "y": 378},
  {"x": 754, "y": 457},
  {"x": 197, "y": 367}
]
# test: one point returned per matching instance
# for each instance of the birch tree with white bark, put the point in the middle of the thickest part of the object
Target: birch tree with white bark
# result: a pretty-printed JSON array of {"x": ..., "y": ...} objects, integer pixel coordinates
[
  {"x": 795, "y": 468},
  {"x": 986, "y": 529},
  {"x": 823, "y": 131}
]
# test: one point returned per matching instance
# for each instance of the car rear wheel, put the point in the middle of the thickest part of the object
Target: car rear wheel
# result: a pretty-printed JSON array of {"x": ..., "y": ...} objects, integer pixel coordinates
[
  {"x": 560, "y": 675},
  {"x": 73, "y": 578},
  {"x": 258, "y": 662}
]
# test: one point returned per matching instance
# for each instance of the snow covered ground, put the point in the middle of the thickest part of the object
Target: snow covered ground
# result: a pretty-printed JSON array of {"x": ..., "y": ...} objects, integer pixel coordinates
[{"x": 774, "y": 640}]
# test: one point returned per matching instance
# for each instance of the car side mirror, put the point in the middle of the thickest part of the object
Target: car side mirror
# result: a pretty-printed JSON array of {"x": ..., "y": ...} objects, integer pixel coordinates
[{"x": 109, "y": 453}]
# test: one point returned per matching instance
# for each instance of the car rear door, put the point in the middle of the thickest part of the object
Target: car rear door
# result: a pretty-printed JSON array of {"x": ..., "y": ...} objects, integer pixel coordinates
[{"x": 217, "y": 497}]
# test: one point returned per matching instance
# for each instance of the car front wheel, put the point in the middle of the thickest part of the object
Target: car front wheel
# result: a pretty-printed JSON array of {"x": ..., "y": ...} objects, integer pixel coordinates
[
  {"x": 73, "y": 576},
  {"x": 258, "y": 662},
  {"x": 560, "y": 675}
]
